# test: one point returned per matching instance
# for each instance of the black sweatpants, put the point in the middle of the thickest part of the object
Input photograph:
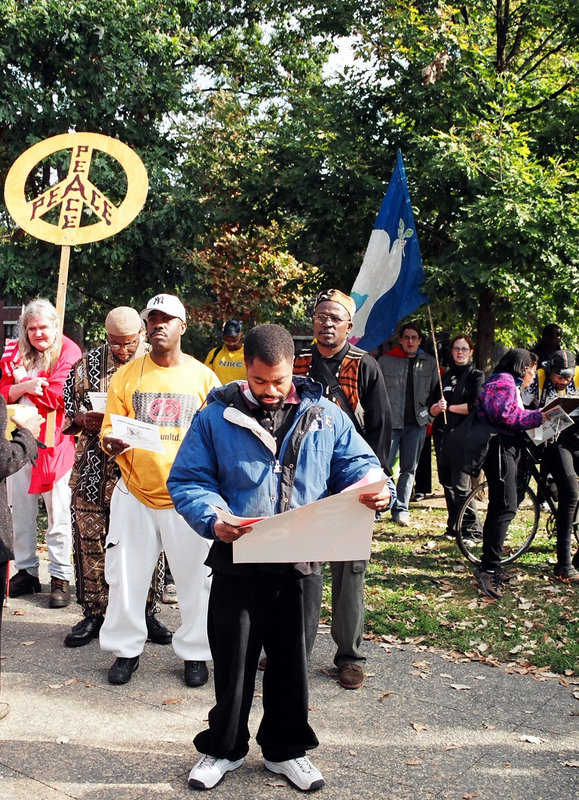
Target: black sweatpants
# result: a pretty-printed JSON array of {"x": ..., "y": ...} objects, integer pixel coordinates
[{"x": 246, "y": 613}]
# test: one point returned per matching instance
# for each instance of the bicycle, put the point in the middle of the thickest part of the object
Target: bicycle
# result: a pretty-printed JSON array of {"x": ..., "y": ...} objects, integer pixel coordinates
[{"x": 524, "y": 526}]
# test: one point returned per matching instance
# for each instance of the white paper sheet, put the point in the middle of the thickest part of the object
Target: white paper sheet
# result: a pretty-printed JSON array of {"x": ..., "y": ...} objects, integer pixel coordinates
[
  {"x": 557, "y": 420},
  {"x": 98, "y": 401},
  {"x": 337, "y": 528},
  {"x": 137, "y": 434}
]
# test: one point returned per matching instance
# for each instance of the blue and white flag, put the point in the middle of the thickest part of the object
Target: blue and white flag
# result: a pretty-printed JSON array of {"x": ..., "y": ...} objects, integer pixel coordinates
[{"x": 388, "y": 286}]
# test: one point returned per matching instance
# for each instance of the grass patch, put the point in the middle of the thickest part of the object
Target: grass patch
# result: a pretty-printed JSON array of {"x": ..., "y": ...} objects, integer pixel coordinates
[{"x": 419, "y": 586}]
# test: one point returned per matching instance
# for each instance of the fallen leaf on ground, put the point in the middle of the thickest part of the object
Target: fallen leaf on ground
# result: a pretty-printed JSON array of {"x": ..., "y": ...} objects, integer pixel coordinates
[
  {"x": 469, "y": 795},
  {"x": 172, "y": 701},
  {"x": 414, "y": 762},
  {"x": 384, "y": 695},
  {"x": 19, "y": 613},
  {"x": 26, "y": 644},
  {"x": 460, "y": 686},
  {"x": 531, "y": 739},
  {"x": 571, "y": 763},
  {"x": 418, "y": 726}
]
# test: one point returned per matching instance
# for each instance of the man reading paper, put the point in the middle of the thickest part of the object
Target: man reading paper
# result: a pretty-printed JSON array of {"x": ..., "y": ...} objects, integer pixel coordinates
[{"x": 259, "y": 448}]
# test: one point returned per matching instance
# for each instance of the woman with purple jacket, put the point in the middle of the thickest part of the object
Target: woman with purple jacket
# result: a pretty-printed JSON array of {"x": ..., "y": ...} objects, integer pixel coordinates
[{"x": 500, "y": 404}]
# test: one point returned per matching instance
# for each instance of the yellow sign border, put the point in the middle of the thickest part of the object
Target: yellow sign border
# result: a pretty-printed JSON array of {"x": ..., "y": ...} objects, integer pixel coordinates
[{"x": 21, "y": 209}]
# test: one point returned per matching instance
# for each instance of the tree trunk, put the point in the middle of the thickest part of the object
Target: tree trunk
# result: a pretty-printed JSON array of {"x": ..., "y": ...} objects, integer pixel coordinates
[{"x": 487, "y": 314}]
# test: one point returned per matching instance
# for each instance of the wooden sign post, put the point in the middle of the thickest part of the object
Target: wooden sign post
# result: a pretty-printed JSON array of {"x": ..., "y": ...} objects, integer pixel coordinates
[{"x": 74, "y": 195}]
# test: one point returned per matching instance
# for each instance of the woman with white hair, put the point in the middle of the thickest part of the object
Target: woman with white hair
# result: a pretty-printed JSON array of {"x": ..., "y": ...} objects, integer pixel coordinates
[{"x": 33, "y": 374}]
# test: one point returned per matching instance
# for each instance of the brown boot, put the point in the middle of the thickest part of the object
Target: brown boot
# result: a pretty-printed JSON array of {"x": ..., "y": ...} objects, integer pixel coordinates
[{"x": 59, "y": 593}]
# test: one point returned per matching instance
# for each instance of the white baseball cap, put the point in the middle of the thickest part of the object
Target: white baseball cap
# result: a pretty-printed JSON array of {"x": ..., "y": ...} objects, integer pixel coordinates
[{"x": 168, "y": 304}]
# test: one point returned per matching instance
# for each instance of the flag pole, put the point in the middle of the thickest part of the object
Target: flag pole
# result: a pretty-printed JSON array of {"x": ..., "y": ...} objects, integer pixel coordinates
[{"x": 436, "y": 356}]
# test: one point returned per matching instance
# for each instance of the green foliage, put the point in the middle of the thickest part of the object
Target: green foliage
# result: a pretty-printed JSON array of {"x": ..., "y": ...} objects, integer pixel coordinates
[
  {"x": 482, "y": 99},
  {"x": 227, "y": 105}
]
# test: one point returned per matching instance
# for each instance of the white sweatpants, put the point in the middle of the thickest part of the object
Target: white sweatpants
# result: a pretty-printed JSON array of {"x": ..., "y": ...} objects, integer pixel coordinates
[
  {"x": 137, "y": 534},
  {"x": 58, "y": 534}
]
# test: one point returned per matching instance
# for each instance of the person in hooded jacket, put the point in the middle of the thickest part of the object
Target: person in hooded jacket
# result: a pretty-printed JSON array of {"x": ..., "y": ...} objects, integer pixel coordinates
[
  {"x": 500, "y": 403},
  {"x": 259, "y": 448}
]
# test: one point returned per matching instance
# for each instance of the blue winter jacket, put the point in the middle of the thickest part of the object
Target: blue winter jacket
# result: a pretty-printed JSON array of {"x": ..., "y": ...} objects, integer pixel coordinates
[{"x": 227, "y": 459}]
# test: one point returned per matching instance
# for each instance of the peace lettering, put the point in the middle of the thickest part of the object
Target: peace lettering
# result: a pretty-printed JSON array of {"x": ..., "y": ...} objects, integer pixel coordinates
[{"x": 73, "y": 193}]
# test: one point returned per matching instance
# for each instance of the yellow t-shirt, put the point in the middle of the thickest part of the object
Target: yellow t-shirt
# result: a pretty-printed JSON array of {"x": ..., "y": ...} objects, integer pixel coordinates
[
  {"x": 164, "y": 396},
  {"x": 228, "y": 365}
]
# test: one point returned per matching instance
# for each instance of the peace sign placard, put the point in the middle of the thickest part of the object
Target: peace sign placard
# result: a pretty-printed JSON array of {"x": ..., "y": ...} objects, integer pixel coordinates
[{"x": 75, "y": 192}]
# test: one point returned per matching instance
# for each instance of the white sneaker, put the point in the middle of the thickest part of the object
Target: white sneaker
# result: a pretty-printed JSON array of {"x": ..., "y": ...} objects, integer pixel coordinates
[
  {"x": 209, "y": 771},
  {"x": 300, "y": 772},
  {"x": 169, "y": 594}
]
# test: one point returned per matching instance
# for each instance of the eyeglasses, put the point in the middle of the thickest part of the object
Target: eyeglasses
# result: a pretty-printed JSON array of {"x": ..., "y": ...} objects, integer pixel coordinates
[
  {"x": 124, "y": 346},
  {"x": 461, "y": 349},
  {"x": 321, "y": 318}
]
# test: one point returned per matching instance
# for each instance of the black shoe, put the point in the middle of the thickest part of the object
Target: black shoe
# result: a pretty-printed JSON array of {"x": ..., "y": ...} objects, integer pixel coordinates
[
  {"x": 157, "y": 632},
  {"x": 23, "y": 583},
  {"x": 122, "y": 670},
  {"x": 59, "y": 593},
  {"x": 84, "y": 632},
  {"x": 196, "y": 673}
]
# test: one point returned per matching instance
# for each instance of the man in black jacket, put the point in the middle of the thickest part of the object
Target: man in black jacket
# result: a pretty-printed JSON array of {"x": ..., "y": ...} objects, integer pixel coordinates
[{"x": 352, "y": 379}]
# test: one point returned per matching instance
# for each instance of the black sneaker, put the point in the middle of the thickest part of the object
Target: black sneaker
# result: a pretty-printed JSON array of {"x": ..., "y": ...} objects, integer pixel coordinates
[
  {"x": 196, "y": 673},
  {"x": 122, "y": 670},
  {"x": 489, "y": 582}
]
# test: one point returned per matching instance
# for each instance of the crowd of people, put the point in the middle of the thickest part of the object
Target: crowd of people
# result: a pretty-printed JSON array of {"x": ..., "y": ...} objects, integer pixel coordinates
[{"x": 136, "y": 446}]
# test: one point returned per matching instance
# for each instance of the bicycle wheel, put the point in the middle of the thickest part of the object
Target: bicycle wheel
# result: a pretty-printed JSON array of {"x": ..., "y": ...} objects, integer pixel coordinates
[{"x": 520, "y": 534}]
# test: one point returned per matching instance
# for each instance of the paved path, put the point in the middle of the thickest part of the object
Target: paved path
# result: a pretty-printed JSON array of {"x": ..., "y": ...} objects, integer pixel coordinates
[{"x": 410, "y": 733}]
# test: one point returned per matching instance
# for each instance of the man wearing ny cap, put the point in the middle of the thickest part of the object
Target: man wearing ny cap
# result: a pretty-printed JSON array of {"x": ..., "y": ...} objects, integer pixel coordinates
[
  {"x": 352, "y": 379},
  {"x": 95, "y": 474},
  {"x": 228, "y": 363},
  {"x": 163, "y": 388},
  {"x": 559, "y": 378}
]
